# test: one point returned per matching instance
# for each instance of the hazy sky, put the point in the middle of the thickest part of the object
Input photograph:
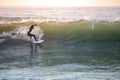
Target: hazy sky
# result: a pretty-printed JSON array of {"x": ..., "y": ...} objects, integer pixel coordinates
[{"x": 58, "y": 3}]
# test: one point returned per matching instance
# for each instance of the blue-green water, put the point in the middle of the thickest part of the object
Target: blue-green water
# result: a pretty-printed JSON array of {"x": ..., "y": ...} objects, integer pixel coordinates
[{"x": 71, "y": 51}]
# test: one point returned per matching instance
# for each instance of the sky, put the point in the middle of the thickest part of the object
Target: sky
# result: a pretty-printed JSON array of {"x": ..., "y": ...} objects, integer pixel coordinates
[{"x": 60, "y": 3}]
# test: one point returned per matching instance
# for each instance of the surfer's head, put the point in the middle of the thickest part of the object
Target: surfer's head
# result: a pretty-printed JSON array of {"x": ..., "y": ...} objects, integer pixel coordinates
[{"x": 32, "y": 26}]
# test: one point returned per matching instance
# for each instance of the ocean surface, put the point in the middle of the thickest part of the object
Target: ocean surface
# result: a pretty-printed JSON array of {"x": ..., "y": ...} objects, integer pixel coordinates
[
  {"x": 9, "y": 15},
  {"x": 80, "y": 43}
]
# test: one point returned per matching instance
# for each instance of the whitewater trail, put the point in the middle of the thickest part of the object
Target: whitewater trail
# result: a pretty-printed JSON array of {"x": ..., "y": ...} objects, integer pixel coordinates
[{"x": 21, "y": 33}]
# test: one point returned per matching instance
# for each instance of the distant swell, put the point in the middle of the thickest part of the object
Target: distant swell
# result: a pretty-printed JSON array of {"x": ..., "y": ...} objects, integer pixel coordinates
[
  {"x": 6, "y": 20},
  {"x": 12, "y": 15}
]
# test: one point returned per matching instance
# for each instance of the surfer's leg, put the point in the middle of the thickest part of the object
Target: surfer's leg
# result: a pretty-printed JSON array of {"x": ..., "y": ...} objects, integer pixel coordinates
[{"x": 34, "y": 37}]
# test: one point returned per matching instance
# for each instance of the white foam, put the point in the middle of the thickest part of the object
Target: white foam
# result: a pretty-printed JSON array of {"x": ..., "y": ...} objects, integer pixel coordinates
[
  {"x": 93, "y": 23},
  {"x": 2, "y": 40},
  {"x": 21, "y": 33},
  {"x": 53, "y": 73}
]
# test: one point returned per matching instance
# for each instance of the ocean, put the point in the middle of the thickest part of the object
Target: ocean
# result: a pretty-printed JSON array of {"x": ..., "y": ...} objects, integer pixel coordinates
[
  {"x": 80, "y": 43},
  {"x": 9, "y": 15}
]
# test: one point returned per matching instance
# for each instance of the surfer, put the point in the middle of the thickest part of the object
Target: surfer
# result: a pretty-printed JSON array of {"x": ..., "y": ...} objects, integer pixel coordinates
[{"x": 30, "y": 30}]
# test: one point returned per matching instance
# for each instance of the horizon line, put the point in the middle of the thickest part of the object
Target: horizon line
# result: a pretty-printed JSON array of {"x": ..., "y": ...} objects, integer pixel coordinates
[{"x": 58, "y": 6}]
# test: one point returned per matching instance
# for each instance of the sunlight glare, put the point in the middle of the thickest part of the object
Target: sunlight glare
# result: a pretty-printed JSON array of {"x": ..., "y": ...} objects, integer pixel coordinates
[{"x": 56, "y": 3}]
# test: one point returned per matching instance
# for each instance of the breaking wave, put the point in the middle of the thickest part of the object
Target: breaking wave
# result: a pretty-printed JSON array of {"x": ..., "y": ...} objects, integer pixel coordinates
[
  {"x": 7, "y": 20},
  {"x": 21, "y": 33}
]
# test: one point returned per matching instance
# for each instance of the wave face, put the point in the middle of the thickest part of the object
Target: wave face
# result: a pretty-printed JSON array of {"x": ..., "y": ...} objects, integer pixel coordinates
[
  {"x": 13, "y": 15},
  {"x": 77, "y": 35},
  {"x": 81, "y": 36}
]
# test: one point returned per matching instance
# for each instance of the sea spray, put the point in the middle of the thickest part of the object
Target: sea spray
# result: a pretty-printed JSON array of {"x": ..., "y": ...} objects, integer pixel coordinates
[{"x": 21, "y": 33}]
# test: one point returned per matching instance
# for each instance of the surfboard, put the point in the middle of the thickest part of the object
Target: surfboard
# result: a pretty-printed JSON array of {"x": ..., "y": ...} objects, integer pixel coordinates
[
  {"x": 39, "y": 41},
  {"x": 2, "y": 40}
]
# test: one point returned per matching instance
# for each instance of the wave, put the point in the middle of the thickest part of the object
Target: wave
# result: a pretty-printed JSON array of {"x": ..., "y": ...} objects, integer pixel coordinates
[
  {"x": 59, "y": 72},
  {"x": 21, "y": 33},
  {"x": 7, "y": 20},
  {"x": 14, "y": 15},
  {"x": 80, "y": 36},
  {"x": 101, "y": 36},
  {"x": 72, "y": 50}
]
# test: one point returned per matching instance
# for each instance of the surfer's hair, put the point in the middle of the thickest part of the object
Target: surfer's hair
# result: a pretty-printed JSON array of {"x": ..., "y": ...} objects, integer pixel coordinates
[{"x": 32, "y": 26}]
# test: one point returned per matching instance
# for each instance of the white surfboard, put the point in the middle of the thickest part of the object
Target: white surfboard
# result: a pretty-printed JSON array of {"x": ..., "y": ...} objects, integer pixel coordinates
[
  {"x": 39, "y": 41},
  {"x": 2, "y": 40}
]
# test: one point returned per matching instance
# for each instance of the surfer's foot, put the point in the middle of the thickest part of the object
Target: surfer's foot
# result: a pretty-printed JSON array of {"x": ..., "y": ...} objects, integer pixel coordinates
[{"x": 36, "y": 40}]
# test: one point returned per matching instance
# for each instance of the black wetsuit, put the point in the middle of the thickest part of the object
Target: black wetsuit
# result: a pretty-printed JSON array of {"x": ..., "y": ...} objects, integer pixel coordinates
[{"x": 29, "y": 33}]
